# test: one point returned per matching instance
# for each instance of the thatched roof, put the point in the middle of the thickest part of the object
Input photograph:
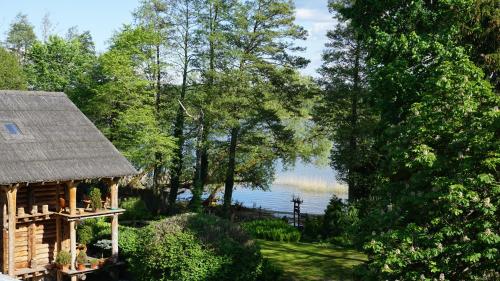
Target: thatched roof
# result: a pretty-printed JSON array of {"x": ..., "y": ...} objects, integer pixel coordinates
[{"x": 51, "y": 140}]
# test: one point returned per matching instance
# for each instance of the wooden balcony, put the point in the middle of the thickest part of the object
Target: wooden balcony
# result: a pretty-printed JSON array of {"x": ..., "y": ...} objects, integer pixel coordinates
[{"x": 82, "y": 214}]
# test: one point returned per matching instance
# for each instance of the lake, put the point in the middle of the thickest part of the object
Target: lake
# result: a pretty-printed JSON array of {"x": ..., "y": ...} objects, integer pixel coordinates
[
  {"x": 279, "y": 197},
  {"x": 314, "y": 185}
]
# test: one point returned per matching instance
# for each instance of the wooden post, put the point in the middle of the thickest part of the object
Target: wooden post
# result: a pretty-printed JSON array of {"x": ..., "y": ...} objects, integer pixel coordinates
[
  {"x": 72, "y": 239},
  {"x": 5, "y": 239},
  {"x": 113, "y": 187},
  {"x": 11, "y": 202},
  {"x": 114, "y": 237},
  {"x": 72, "y": 198},
  {"x": 57, "y": 246},
  {"x": 32, "y": 244}
]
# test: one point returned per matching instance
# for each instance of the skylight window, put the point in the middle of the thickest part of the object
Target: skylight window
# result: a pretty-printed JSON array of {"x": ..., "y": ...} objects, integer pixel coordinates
[{"x": 12, "y": 129}]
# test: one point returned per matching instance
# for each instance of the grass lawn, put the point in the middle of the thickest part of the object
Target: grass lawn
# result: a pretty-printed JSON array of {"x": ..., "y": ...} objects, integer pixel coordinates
[{"x": 312, "y": 261}]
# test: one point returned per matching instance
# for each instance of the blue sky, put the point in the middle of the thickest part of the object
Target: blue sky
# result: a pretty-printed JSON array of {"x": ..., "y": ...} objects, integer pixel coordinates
[{"x": 103, "y": 17}]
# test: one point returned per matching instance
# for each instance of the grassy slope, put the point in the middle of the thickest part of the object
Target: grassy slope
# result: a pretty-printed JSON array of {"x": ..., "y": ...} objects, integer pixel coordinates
[{"x": 311, "y": 261}]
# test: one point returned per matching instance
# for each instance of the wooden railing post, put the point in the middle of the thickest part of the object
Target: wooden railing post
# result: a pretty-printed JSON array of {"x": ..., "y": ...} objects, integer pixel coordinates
[
  {"x": 113, "y": 187},
  {"x": 72, "y": 239},
  {"x": 72, "y": 198},
  {"x": 11, "y": 202}
]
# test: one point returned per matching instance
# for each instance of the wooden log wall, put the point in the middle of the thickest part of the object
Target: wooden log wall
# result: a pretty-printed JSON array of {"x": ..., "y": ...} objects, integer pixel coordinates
[
  {"x": 3, "y": 233},
  {"x": 35, "y": 240}
]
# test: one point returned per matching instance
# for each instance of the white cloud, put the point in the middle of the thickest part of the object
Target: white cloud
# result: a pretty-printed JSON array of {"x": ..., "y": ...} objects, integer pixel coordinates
[{"x": 313, "y": 15}]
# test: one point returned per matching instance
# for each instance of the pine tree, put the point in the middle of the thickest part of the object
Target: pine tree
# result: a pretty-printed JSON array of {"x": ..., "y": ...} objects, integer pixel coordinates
[
  {"x": 21, "y": 35},
  {"x": 346, "y": 111}
]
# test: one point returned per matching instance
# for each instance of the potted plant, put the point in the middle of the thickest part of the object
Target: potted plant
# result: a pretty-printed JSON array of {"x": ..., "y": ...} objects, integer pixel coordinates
[
  {"x": 81, "y": 259},
  {"x": 94, "y": 263},
  {"x": 63, "y": 260},
  {"x": 95, "y": 199}
]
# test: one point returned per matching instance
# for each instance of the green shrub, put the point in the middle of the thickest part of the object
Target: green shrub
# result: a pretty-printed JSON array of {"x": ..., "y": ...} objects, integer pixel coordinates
[
  {"x": 194, "y": 247},
  {"x": 63, "y": 258},
  {"x": 127, "y": 240},
  {"x": 171, "y": 254},
  {"x": 95, "y": 198},
  {"x": 135, "y": 209},
  {"x": 272, "y": 229},
  {"x": 82, "y": 257},
  {"x": 313, "y": 228},
  {"x": 341, "y": 223},
  {"x": 270, "y": 271},
  {"x": 332, "y": 220},
  {"x": 85, "y": 233}
]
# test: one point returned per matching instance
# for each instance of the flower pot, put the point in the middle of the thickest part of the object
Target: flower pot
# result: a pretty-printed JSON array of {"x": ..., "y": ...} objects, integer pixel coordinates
[
  {"x": 20, "y": 212},
  {"x": 45, "y": 209},
  {"x": 81, "y": 266},
  {"x": 64, "y": 267},
  {"x": 62, "y": 204},
  {"x": 94, "y": 266}
]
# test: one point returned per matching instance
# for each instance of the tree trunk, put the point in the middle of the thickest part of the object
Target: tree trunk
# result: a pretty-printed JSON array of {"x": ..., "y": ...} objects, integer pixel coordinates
[
  {"x": 354, "y": 192},
  {"x": 179, "y": 125},
  {"x": 157, "y": 165},
  {"x": 229, "y": 184},
  {"x": 201, "y": 171},
  {"x": 195, "y": 203}
]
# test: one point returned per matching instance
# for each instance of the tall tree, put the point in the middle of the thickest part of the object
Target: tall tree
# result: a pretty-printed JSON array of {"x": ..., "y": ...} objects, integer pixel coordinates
[
  {"x": 124, "y": 101},
  {"x": 11, "y": 73},
  {"x": 151, "y": 16},
  {"x": 184, "y": 44},
  {"x": 47, "y": 27},
  {"x": 58, "y": 64},
  {"x": 214, "y": 22},
  {"x": 346, "y": 111},
  {"x": 437, "y": 215},
  {"x": 260, "y": 85},
  {"x": 21, "y": 35}
]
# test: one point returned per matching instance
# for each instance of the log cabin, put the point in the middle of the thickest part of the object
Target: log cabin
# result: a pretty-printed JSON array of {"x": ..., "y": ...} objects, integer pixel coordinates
[{"x": 47, "y": 147}]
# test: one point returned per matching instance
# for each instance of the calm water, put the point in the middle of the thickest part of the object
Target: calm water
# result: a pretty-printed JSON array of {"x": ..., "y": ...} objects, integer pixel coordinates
[
  {"x": 315, "y": 185},
  {"x": 279, "y": 197}
]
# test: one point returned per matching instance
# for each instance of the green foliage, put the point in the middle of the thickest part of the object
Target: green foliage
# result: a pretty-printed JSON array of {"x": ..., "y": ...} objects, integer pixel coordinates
[
  {"x": 332, "y": 221},
  {"x": 345, "y": 109},
  {"x": 313, "y": 228},
  {"x": 58, "y": 65},
  {"x": 11, "y": 74},
  {"x": 270, "y": 271},
  {"x": 85, "y": 233},
  {"x": 135, "y": 209},
  {"x": 63, "y": 258},
  {"x": 177, "y": 256},
  {"x": 21, "y": 35},
  {"x": 81, "y": 258},
  {"x": 195, "y": 247},
  {"x": 95, "y": 198},
  {"x": 94, "y": 261},
  {"x": 435, "y": 214},
  {"x": 272, "y": 229},
  {"x": 128, "y": 241},
  {"x": 123, "y": 105}
]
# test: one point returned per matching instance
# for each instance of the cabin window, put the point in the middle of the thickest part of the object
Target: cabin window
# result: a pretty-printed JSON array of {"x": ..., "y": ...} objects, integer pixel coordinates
[{"x": 12, "y": 129}]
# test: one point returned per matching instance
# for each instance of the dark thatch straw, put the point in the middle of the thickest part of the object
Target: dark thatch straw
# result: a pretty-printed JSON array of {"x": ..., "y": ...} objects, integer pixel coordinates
[{"x": 57, "y": 141}]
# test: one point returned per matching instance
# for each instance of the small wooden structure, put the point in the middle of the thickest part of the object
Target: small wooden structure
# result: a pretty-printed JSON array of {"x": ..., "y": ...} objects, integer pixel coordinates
[
  {"x": 296, "y": 210},
  {"x": 47, "y": 146}
]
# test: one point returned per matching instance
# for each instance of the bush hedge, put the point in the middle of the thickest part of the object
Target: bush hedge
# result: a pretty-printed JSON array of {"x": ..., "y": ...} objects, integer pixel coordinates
[
  {"x": 135, "y": 209},
  {"x": 194, "y": 247},
  {"x": 272, "y": 229}
]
